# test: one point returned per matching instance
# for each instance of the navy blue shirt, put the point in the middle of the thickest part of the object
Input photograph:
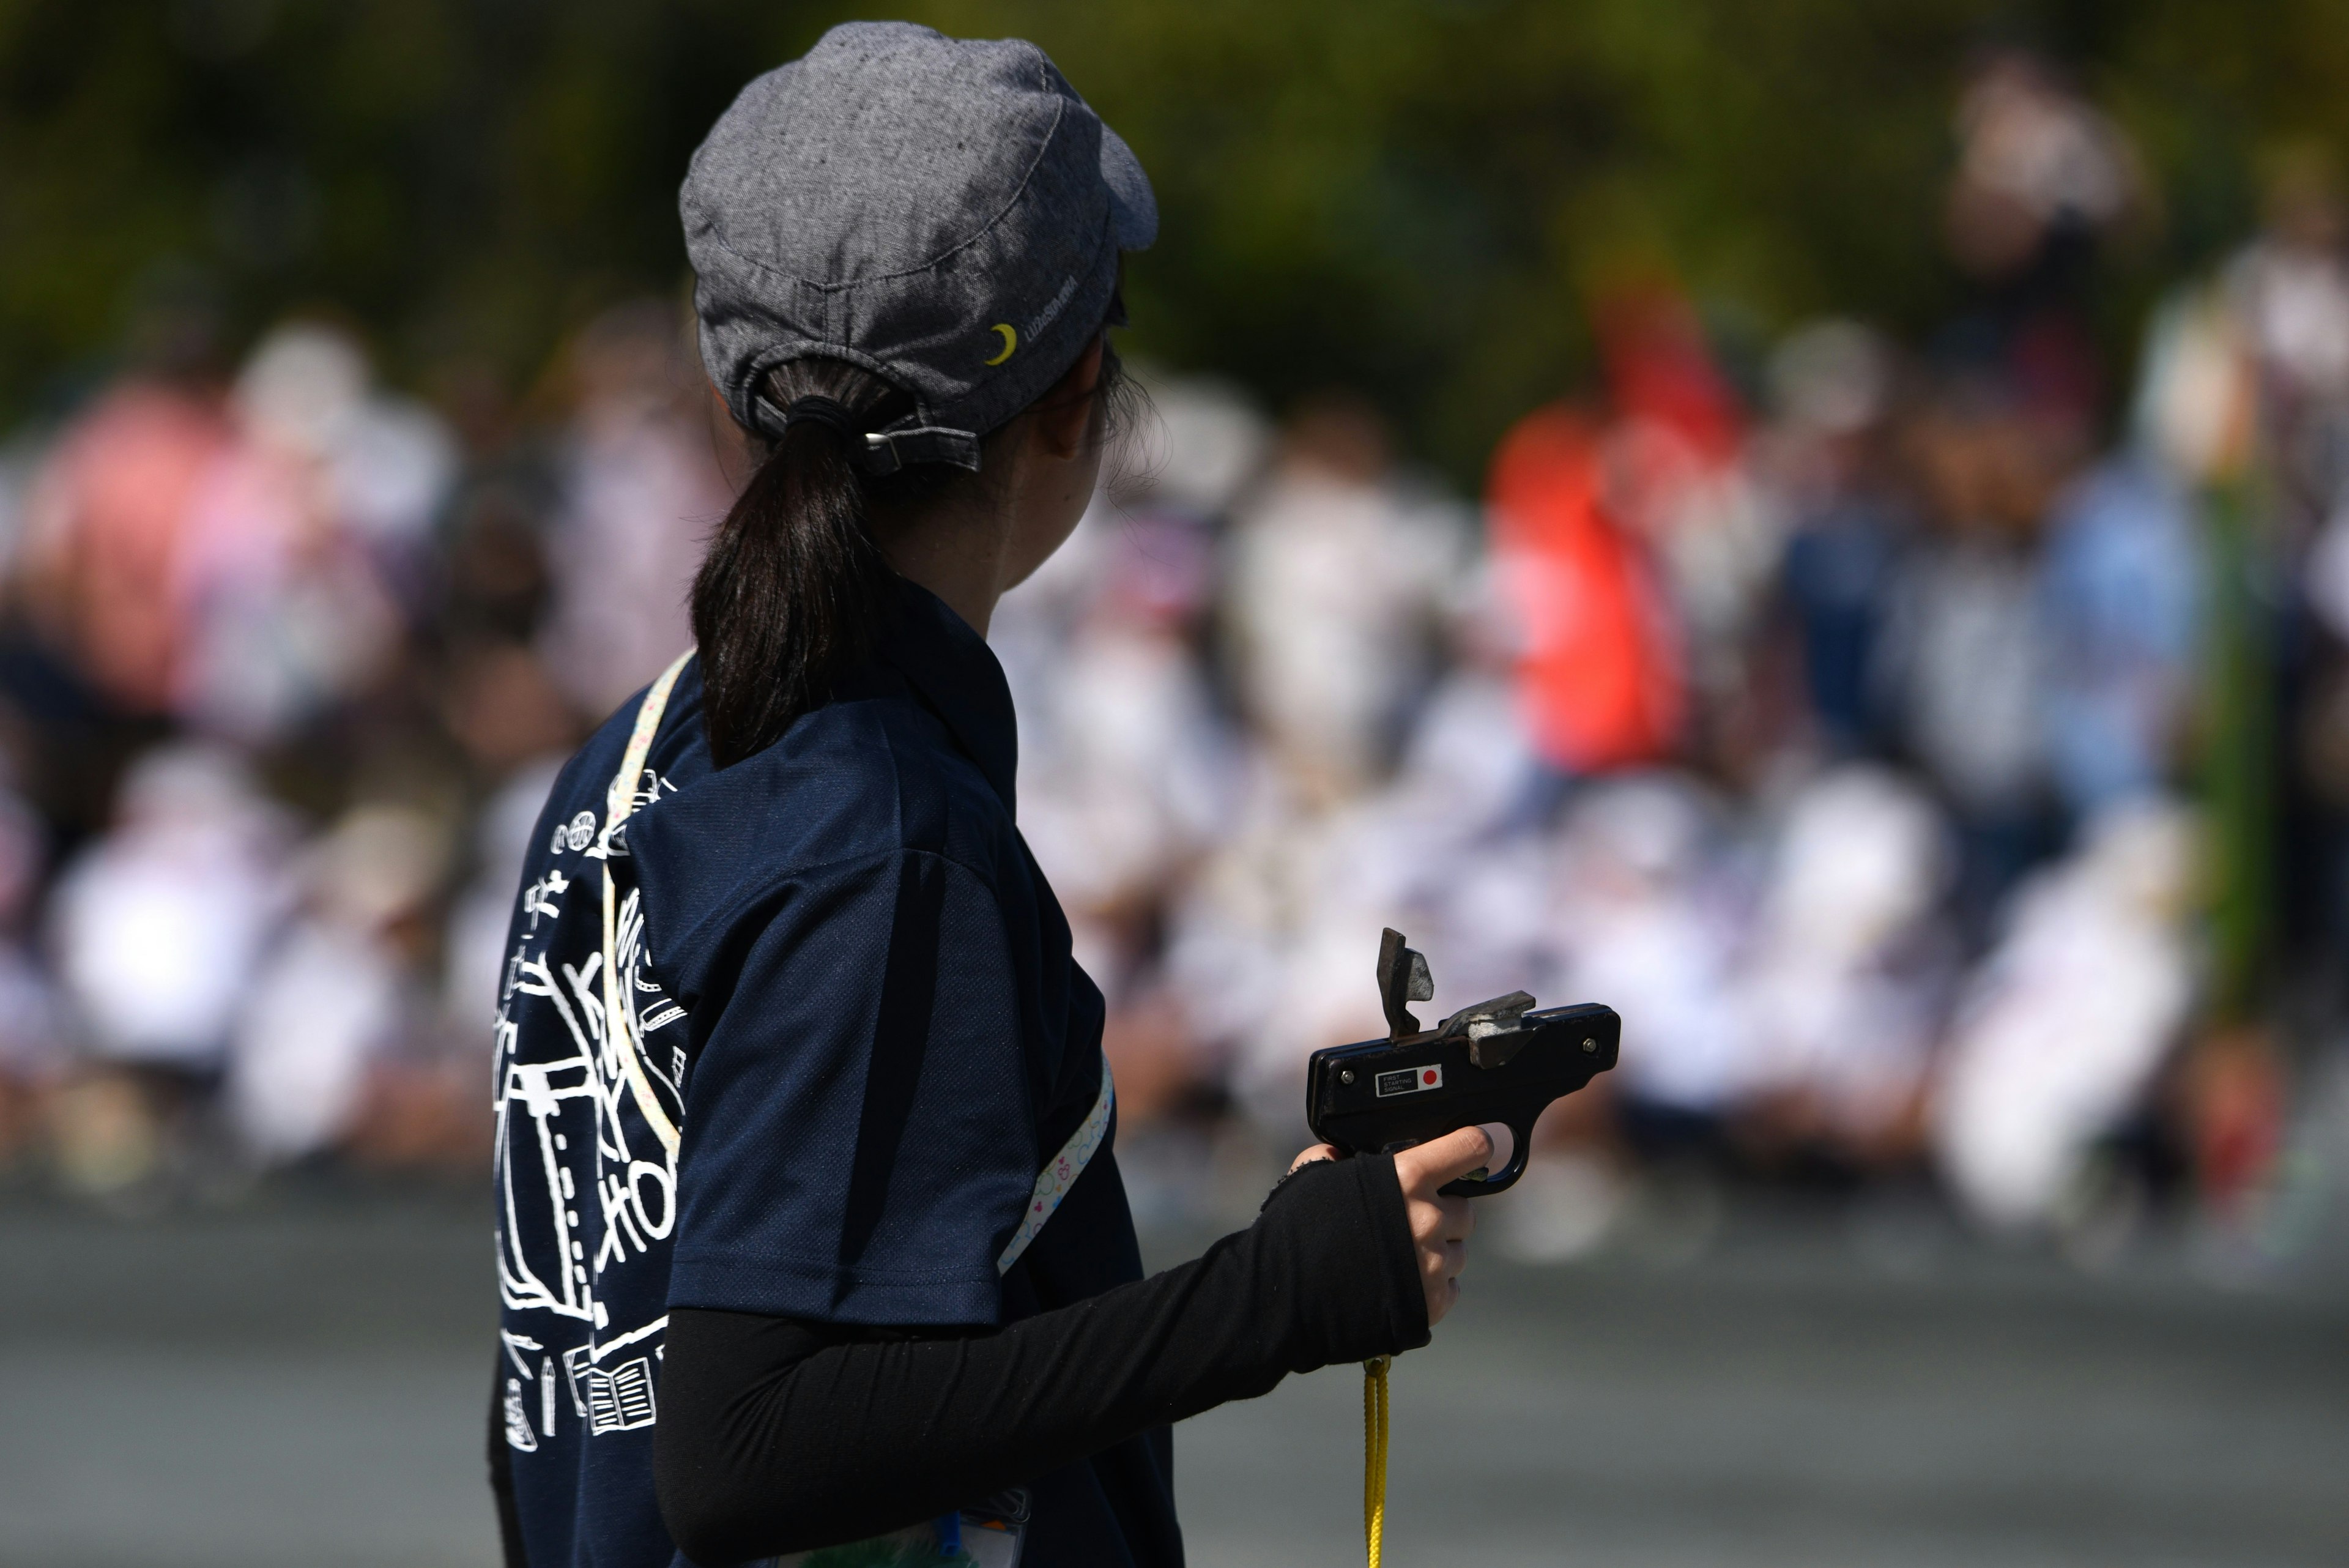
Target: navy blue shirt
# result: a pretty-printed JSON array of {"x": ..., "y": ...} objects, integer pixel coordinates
[{"x": 861, "y": 1036}]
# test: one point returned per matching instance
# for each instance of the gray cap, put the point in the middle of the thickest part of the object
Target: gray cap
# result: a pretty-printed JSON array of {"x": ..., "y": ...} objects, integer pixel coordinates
[{"x": 946, "y": 212}]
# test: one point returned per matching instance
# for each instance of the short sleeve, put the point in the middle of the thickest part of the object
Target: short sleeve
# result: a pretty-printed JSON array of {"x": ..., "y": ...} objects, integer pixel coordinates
[{"x": 859, "y": 1141}]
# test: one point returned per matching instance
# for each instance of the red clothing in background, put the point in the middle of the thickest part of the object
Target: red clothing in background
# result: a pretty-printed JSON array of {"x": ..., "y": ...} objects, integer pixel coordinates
[{"x": 1598, "y": 669}]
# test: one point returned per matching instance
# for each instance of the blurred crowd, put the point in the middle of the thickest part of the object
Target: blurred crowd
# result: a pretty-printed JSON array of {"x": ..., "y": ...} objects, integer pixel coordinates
[
  {"x": 1936, "y": 753},
  {"x": 1933, "y": 750},
  {"x": 289, "y": 661}
]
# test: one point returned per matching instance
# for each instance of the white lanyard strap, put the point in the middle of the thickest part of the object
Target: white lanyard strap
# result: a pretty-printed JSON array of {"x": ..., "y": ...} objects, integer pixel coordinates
[
  {"x": 619, "y": 800},
  {"x": 1060, "y": 1173}
]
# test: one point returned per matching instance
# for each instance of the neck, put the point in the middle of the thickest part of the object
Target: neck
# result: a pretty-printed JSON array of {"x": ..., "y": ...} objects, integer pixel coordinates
[{"x": 958, "y": 553}]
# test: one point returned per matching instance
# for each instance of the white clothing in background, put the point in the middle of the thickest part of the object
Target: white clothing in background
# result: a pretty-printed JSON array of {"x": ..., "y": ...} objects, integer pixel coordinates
[
  {"x": 159, "y": 927},
  {"x": 1833, "y": 1002},
  {"x": 1642, "y": 926},
  {"x": 1970, "y": 667},
  {"x": 642, "y": 494},
  {"x": 2060, "y": 1036},
  {"x": 324, "y": 1005},
  {"x": 1335, "y": 592}
]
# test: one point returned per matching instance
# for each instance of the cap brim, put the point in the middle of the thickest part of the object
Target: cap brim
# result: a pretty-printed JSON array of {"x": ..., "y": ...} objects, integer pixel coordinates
[{"x": 1134, "y": 208}]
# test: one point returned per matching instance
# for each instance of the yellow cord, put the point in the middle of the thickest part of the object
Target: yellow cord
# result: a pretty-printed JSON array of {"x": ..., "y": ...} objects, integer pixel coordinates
[{"x": 1374, "y": 1453}]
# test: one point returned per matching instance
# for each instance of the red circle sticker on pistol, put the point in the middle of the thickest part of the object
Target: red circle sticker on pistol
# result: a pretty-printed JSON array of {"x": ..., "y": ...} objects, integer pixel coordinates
[{"x": 1407, "y": 1080}]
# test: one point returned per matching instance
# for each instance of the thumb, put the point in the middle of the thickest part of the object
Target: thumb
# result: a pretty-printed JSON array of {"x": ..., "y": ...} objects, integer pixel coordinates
[
  {"x": 1446, "y": 1159},
  {"x": 1318, "y": 1151}
]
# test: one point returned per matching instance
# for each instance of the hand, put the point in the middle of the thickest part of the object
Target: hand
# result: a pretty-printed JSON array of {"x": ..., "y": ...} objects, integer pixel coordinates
[{"x": 1439, "y": 1225}]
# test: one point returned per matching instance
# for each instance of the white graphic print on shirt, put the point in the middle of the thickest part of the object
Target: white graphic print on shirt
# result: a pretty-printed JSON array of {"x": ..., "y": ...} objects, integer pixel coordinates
[{"x": 588, "y": 1106}]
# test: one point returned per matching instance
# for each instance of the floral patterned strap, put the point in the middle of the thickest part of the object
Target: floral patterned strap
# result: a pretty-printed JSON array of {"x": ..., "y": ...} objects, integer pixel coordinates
[
  {"x": 621, "y": 798},
  {"x": 1062, "y": 1172}
]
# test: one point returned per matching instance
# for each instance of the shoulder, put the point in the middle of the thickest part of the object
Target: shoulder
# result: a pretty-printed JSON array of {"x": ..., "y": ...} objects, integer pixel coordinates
[
  {"x": 869, "y": 778},
  {"x": 580, "y": 796},
  {"x": 576, "y": 802}
]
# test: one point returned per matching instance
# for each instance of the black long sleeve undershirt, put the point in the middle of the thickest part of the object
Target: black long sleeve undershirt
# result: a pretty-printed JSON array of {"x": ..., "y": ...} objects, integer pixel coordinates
[{"x": 782, "y": 1436}]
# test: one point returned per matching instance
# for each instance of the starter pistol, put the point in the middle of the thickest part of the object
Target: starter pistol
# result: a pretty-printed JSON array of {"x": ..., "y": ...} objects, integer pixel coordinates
[{"x": 1498, "y": 1061}]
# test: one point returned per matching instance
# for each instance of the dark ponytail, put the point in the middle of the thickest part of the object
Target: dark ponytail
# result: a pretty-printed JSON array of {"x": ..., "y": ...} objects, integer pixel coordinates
[{"x": 793, "y": 591}]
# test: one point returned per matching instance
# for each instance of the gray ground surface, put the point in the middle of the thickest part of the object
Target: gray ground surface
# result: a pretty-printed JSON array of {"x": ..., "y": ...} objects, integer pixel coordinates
[{"x": 301, "y": 1382}]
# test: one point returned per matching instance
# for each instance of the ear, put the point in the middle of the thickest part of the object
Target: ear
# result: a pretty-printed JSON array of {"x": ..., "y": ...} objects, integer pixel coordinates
[{"x": 1064, "y": 416}]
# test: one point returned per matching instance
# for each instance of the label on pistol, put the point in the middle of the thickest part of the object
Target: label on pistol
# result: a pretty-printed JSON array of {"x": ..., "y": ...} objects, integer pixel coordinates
[{"x": 1408, "y": 1081}]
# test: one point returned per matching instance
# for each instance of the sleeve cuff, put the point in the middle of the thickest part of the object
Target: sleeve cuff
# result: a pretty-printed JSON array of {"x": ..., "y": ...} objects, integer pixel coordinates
[{"x": 1354, "y": 1271}]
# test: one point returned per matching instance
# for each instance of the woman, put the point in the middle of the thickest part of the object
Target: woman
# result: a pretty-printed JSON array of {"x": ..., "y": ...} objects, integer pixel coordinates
[{"x": 809, "y": 1232}]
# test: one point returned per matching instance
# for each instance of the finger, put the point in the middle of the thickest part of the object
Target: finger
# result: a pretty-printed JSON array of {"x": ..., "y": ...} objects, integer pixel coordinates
[
  {"x": 1318, "y": 1151},
  {"x": 1504, "y": 1144},
  {"x": 1447, "y": 1158},
  {"x": 1442, "y": 1218}
]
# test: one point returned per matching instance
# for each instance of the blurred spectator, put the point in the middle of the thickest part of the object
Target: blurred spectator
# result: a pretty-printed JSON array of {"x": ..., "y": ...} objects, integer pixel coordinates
[
  {"x": 1598, "y": 665},
  {"x": 2121, "y": 602},
  {"x": 1339, "y": 580},
  {"x": 296, "y": 537},
  {"x": 2056, "y": 1042},
  {"x": 1647, "y": 917},
  {"x": 1678, "y": 478},
  {"x": 1131, "y": 782},
  {"x": 1841, "y": 989},
  {"x": 1194, "y": 448},
  {"x": 1966, "y": 651},
  {"x": 641, "y": 489},
  {"x": 381, "y": 464},
  {"x": 1832, "y": 384},
  {"x": 2289, "y": 290},
  {"x": 337, "y": 992},
  {"x": 106, "y": 529},
  {"x": 158, "y": 930},
  {"x": 2043, "y": 179},
  {"x": 2038, "y": 167},
  {"x": 233, "y": 566}
]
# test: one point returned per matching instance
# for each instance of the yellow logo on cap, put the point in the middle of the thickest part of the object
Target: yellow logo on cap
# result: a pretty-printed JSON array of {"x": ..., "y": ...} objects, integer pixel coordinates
[{"x": 1011, "y": 341}]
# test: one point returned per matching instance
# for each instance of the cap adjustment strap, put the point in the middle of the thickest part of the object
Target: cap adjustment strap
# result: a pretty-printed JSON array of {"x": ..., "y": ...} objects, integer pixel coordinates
[
  {"x": 882, "y": 452},
  {"x": 886, "y": 451}
]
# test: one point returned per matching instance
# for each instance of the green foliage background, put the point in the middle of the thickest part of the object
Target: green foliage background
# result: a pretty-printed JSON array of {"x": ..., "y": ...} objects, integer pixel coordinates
[{"x": 1410, "y": 196}]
